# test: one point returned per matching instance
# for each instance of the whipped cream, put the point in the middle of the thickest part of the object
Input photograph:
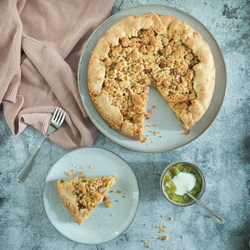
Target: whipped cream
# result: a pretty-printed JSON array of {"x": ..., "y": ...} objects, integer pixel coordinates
[{"x": 184, "y": 182}]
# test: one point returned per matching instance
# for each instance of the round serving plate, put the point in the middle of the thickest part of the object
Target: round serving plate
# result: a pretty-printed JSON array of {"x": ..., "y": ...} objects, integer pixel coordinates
[
  {"x": 162, "y": 120},
  {"x": 104, "y": 224}
]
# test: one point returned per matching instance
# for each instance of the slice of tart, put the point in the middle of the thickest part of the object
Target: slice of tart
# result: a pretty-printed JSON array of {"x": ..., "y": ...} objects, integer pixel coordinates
[{"x": 82, "y": 194}]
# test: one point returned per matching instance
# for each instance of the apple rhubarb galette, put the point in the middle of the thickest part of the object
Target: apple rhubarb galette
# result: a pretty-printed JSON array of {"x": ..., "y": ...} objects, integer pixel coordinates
[
  {"x": 150, "y": 50},
  {"x": 82, "y": 194}
]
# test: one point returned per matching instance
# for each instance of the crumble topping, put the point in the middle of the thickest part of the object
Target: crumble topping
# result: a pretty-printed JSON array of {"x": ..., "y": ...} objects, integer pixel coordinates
[
  {"x": 88, "y": 192},
  {"x": 147, "y": 60}
]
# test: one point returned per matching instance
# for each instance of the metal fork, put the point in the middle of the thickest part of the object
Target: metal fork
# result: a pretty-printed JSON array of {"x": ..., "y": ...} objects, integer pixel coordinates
[{"x": 55, "y": 124}]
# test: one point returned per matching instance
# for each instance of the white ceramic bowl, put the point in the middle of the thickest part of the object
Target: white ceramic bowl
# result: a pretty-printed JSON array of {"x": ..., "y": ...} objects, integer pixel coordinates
[{"x": 203, "y": 186}]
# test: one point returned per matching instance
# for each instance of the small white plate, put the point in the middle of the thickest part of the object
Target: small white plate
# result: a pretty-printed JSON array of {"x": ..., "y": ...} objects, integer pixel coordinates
[
  {"x": 100, "y": 227},
  {"x": 162, "y": 119}
]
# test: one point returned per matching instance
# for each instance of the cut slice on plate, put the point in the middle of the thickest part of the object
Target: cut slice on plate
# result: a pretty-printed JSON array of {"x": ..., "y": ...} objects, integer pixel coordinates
[{"x": 82, "y": 194}]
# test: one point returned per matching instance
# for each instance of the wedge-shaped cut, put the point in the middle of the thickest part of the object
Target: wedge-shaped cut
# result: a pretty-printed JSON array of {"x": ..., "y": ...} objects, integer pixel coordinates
[
  {"x": 150, "y": 50},
  {"x": 82, "y": 194}
]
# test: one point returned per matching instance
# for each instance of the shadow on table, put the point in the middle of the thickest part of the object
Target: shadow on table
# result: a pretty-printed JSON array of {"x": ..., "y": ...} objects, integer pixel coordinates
[
  {"x": 239, "y": 238},
  {"x": 148, "y": 175},
  {"x": 244, "y": 150}
]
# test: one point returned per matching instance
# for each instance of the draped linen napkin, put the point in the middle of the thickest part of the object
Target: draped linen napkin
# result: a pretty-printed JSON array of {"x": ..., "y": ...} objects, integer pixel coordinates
[{"x": 40, "y": 46}]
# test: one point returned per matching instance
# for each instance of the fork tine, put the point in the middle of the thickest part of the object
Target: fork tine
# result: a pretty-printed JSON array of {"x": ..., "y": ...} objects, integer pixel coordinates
[
  {"x": 55, "y": 112},
  {"x": 62, "y": 118},
  {"x": 59, "y": 118},
  {"x": 57, "y": 115}
]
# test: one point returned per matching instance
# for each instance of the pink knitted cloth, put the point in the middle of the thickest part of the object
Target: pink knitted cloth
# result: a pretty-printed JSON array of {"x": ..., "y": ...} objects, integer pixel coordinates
[{"x": 40, "y": 45}]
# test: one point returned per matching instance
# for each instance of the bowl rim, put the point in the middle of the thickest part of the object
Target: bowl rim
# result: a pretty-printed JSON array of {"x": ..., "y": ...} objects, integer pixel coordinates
[{"x": 190, "y": 203}]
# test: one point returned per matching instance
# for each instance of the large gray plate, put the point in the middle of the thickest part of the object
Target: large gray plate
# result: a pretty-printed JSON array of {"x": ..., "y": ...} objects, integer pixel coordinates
[{"x": 162, "y": 119}]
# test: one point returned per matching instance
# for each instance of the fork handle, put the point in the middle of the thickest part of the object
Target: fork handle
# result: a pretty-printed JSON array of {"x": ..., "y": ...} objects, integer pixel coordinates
[{"x": 20, "y": 177}]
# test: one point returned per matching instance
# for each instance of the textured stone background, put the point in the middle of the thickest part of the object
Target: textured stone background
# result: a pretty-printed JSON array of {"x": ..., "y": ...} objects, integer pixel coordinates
[{"x": 222, "y": 152}]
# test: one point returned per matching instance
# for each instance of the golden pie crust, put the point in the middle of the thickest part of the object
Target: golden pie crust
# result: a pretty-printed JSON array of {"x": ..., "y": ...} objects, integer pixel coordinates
[
  {"x": 82, "y": 194},
  {"x": 150, "y": 50}
]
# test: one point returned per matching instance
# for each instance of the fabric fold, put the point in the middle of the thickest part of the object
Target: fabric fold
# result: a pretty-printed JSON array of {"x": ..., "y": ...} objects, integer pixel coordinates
[{"x": 39, "y": 56}]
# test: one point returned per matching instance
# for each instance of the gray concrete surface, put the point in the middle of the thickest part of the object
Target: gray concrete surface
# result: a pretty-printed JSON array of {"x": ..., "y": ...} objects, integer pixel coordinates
[{"x": 222, "y": 152}]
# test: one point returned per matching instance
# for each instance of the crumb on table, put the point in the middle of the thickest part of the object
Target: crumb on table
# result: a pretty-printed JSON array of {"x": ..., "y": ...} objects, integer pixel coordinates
[
  {"x": 161, "y": 229},
  {"x": 165, "y": 238}
]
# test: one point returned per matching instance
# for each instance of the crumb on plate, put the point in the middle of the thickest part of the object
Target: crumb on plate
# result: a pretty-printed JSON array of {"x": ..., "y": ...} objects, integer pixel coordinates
[
  {"x": 68, "y": 173},
  {"x": 109, "y": 204}
]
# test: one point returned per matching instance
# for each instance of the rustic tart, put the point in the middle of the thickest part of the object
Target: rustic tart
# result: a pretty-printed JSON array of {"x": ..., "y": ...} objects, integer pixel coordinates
[
  {"x": 82, "y": 195},
  {"x": 150, "y": 50}
]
